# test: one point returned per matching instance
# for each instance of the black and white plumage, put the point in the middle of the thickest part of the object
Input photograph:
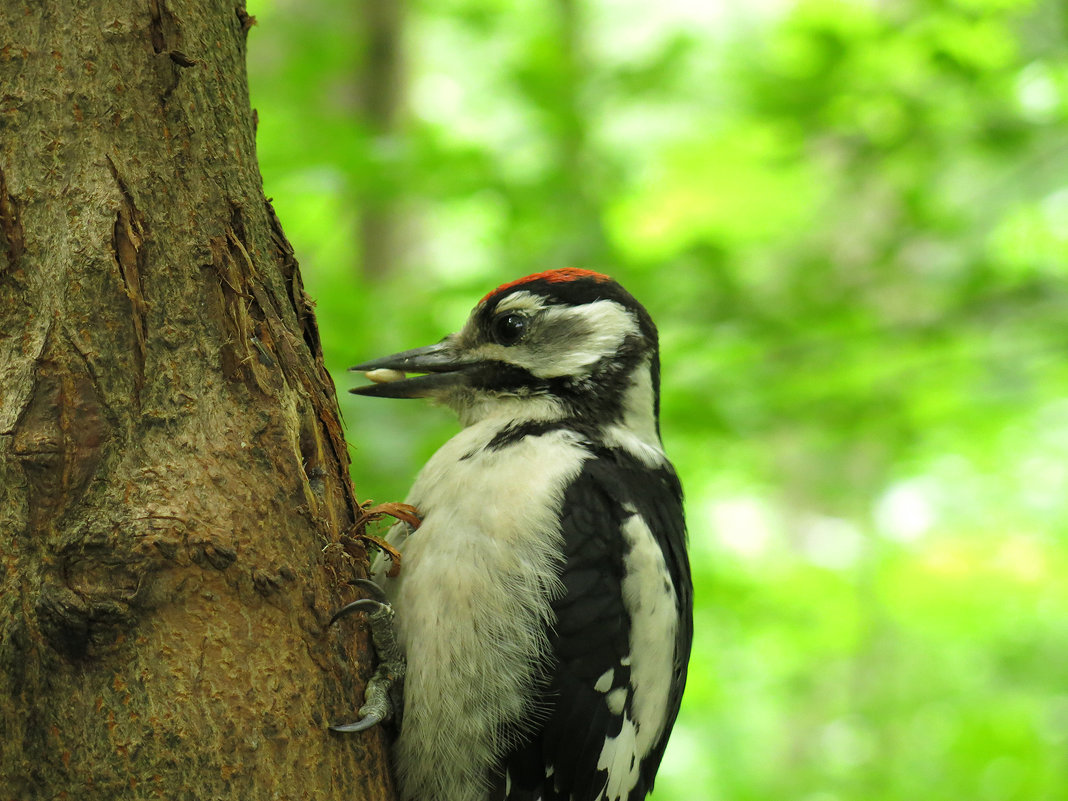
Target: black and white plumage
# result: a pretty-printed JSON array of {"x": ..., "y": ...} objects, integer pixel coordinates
[{"x": 544, "y": 606}]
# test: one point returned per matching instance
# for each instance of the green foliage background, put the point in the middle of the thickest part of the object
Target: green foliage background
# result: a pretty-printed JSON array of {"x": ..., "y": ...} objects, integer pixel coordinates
[{"x": 850, "y": 221}]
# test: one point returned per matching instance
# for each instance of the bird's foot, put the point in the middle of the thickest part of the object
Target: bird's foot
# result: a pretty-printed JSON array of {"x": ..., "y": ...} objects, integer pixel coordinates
[{"x": 382, "y": 694}]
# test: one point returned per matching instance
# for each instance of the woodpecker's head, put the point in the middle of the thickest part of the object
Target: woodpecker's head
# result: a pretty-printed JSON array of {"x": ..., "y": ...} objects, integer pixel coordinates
[{"x": 559, "y": 344}]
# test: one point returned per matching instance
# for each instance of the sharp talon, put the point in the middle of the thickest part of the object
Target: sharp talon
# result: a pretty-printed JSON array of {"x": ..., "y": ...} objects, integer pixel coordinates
[
  {"x": 379, "y": 707},
  {"x": 372, "y": 589},
  {"x": 362, "y": 605},
  {"x": 363, "y": 724},
  {"x": 382, "y": 693}
]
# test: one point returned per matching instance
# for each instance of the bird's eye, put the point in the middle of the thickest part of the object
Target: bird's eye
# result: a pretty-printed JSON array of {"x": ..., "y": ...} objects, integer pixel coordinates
[{"x": 509, "y": 328}]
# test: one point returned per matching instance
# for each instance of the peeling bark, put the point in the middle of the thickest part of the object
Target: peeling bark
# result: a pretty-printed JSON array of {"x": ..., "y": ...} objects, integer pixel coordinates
[{"x": 174, "y": 488}]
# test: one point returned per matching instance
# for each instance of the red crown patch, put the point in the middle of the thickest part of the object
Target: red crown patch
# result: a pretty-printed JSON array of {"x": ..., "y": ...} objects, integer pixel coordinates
[{"x": 552, "y": 276}]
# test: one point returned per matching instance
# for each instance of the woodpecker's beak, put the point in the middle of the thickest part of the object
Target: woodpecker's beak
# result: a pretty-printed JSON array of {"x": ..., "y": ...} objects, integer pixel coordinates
[{"x": 443, "y": 368}]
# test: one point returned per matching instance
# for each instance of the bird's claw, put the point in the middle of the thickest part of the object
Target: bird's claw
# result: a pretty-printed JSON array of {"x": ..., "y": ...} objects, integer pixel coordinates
[
  {"x": 381, "y": 695},
  {"x": 363, "y": 605},
  {"x": 376, "y": 709},
  {"x": 363, "y": 724}
]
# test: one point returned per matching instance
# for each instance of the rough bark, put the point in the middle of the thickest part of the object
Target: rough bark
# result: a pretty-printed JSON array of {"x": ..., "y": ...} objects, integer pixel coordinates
[{"x": 173, "y": 478}]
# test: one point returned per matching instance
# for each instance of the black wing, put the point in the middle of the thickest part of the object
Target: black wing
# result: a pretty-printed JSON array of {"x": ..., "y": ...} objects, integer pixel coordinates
[{"x": 591, "y": 641}]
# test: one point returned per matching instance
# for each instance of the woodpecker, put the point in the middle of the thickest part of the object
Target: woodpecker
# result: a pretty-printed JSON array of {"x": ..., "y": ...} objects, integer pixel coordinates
[{"x": 544, "y": 604}]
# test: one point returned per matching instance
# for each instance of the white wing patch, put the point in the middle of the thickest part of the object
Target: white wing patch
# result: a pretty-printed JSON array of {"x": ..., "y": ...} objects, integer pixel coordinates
[
  {"x": 650, "y": 598},
  {"x": 621, "y": 758}
]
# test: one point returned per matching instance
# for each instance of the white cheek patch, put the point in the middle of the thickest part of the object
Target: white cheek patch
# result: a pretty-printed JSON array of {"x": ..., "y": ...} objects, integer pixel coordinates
[{"x": 570, "y": 340}]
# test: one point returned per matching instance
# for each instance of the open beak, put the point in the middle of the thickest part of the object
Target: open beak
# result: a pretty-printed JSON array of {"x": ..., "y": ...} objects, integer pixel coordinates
[{"x": 439, "y": 363}]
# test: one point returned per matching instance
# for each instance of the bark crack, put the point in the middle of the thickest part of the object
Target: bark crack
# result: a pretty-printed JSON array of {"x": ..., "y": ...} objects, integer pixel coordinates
[
  {"x": 10, "y": 225},
  {"x": 165, "y": 34},
  {"x": 156, "y": 9},
  {"x": 128, "y": 239}
]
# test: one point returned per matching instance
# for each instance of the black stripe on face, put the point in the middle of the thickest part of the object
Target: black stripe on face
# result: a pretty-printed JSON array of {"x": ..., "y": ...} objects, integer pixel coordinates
[{"x": 505, "y": 378}]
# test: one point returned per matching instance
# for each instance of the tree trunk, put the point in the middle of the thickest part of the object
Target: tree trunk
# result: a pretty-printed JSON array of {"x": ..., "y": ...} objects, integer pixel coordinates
[{"x": 173, "y": 477}]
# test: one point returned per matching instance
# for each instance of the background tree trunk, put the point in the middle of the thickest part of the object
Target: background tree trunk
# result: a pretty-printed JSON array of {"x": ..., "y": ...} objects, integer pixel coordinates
[
  {"x": 171, "y": 464},
  {"x": 382, "y": 102}
]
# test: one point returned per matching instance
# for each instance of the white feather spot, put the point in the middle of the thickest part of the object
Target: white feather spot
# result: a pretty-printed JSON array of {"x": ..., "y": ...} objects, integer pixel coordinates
[
  {"x": 604, "y": 683},
  {"x": 616, "y": 700}
]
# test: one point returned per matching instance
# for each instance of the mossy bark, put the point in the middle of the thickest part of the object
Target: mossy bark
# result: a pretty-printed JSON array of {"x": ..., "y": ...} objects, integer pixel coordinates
[{"x": 173, "y": 477}]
